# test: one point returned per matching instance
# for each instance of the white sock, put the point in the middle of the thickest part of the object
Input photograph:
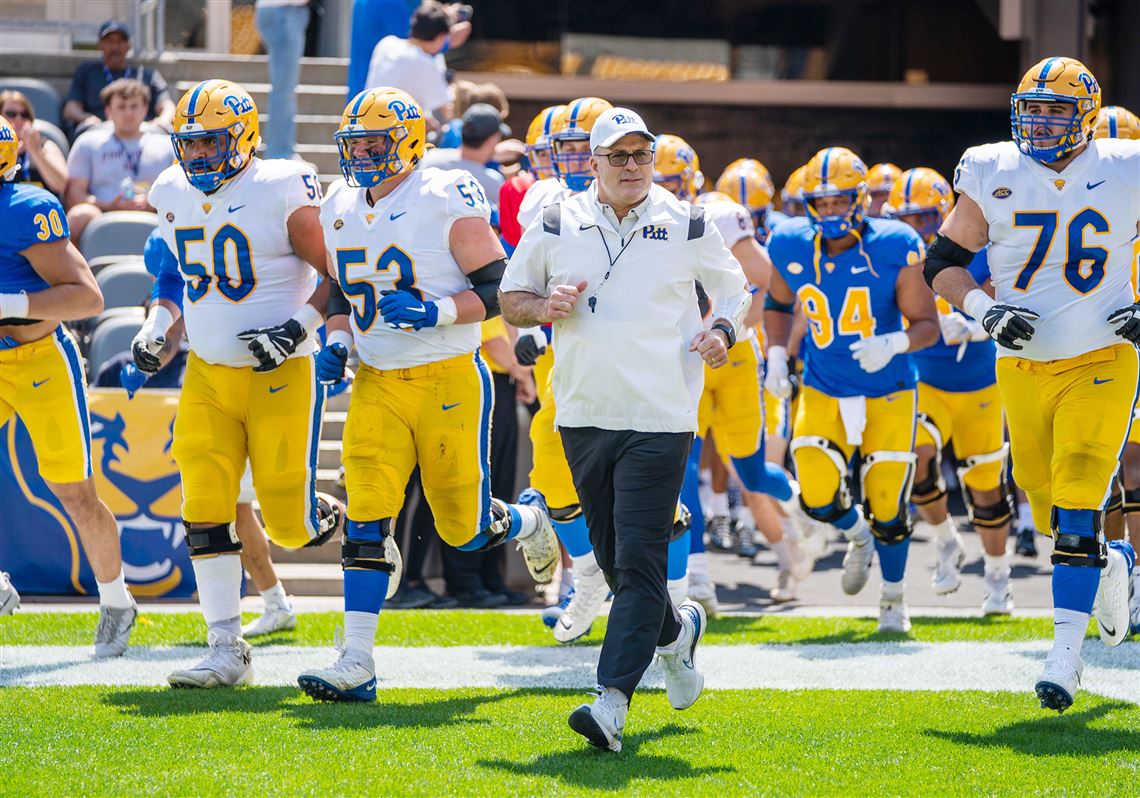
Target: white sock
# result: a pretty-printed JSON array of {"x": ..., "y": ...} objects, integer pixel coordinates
[
  {"x": 678, "y": 590},
  {"x": 1069, "y": 627},
  {"x": 699, "y": 568},
  {"x": 114, "y": 593},
  {"x": 893, "y": 591},
  {"x": 1024, "y": 516},
  {"x": 945, "y": 530},
  {"x": 219, "y": 591},
  {"x": 718, "y": 504},
  {"x": 565, "y": 583},
  {"x": 531, "y": 520},
  {"x": 705, "y": 491},
  {"x": 585, "y": 565},
  {"x": 360, "y": 631},
  {"x": 997, "y": 564},
  {"x": 780, "y": 547},
  {"x": 275, "y": 597},
  {"x": 859, "y": 532}
]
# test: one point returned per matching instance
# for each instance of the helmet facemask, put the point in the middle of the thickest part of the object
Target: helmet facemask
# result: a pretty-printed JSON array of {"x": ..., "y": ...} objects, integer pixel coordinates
[
  {"x": 573, "y": 168},
  {"x": 1045, "y": 137},
  {"x": 209, "y": 172},
  {"x": 372, "y": 169},
  {"x": 836, "y": 225}
]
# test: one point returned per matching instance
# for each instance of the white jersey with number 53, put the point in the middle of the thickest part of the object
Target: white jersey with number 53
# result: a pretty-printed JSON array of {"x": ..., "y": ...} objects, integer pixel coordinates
[
  {"x": 401, "y": 244},
  {"x": 1060, "y": 243}
]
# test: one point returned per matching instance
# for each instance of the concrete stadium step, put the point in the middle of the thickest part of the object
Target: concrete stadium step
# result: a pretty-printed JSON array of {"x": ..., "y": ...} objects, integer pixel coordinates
[
  {"x": 193, "y": 67},
  {"x": 329, "y": 454},
  {"x": 312, "y": 128},
  {"x": 312, "y": 98},
  {"x": 324, "y": 157},
  {"x": 333, "y": 428}
]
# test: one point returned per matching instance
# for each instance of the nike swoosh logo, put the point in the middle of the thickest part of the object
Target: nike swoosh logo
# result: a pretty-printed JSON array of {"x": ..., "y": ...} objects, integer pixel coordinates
[
  {"x": 275, "y": 390},
  {"x": 38, "y": 384},
  {"x": 891, "y": 398},
  {"x": 737, "y": 363},
  {"x": 984, "y": 405},
  {"x": 448, "y": 407},
  {"x": 394, "y": 216},
  {"x": 232, "y": 209},
  {"x": 419, "y": 309},
  {"x": 1102, "y": 382},
  {"x": 859, "y": 269},
  {"x": 1091, "y": 186},
  {"x": 1109, "y": 632}
]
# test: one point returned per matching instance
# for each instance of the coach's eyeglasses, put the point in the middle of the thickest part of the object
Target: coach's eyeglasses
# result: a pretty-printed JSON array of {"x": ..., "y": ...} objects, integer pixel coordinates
[{"x": 621, "y": 158}]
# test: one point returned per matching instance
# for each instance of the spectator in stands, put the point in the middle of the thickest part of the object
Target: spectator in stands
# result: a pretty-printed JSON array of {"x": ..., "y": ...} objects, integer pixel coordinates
[
  {"x": 464, "y": 95},
  {"x": 41, "y": 161},
  {"x": 372, "y": 20},
  {"x": 413, "y": 64},
  {"x": 483, "y": 129},
  {"x": 112, "y": 166},
  {"x": 282, "y": 25},
  {"x": 85, "y": 104}
]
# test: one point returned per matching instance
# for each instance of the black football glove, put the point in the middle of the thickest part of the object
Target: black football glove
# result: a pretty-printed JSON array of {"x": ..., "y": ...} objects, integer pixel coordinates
[
  {"x": 1008, "y": 324},
  {"x": 793, "y": 377},
  {"x": 1129, "y": 320},
  {"x": 273, "y": 345},
  {"x": 527, "y": 349},
  {"x": 146, "y": 361}
]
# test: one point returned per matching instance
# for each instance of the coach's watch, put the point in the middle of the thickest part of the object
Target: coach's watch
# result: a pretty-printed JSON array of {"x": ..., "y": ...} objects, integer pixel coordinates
[{"x": 729, "y": 333}]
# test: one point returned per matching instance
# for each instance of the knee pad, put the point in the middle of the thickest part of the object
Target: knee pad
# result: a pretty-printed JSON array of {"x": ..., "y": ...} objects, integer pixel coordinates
[
  {"x": 994, "y": 515},
  {"x": 564, "y": 514},
  {"x": 896, "y": 530},
  {"x": 370, "y": 555},
  {"x": 329, "y": 520},
  {"x": 1080, "y": 551},
  {"x": 933, "y": 487},
  {"x": 841, "y": 502},
  {"x": 1131, "y": 501},
  {"x": 205, "y": 541},
  {"x": 825, "y": 515},
  {"x": 899, "y": 528}
]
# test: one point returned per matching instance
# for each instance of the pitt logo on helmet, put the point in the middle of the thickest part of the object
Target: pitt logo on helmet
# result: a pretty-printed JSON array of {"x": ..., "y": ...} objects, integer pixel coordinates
[
  {"x": 382, "y": 135},
  {"x": 1054, "y": 83},
  {"x": 403, "y": 110},
  {"x": 835, "y": 172},
  {"x": 538, "y": 148},
  {"x": 215, "y": 133}
]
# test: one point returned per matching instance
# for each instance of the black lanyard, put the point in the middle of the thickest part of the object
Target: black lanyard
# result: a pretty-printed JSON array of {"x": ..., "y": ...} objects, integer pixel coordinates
[
  {"x": 593, "y": 300},
  {"x": 133, "y": 162},
  {"x": 126, "y": 74}
]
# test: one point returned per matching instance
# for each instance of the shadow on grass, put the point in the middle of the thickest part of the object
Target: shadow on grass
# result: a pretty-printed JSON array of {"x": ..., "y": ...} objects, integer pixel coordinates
[
  {"x": 587, "y": 767},
  {"x": 1062, "y": 735}
]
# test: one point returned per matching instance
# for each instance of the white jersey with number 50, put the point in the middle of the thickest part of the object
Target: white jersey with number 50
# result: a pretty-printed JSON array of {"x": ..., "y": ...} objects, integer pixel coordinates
[
  {"x": 1060, "y": 243},
  {"x": 234, "y": 252},
  {"x": 401, "y": 244}
]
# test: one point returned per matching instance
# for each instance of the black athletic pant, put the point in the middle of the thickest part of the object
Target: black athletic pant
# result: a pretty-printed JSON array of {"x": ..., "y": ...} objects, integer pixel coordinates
[{"x": 628, "y": 484}]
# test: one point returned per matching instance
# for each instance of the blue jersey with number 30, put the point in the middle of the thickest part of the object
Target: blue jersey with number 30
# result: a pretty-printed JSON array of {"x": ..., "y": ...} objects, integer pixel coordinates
[{"x": 28, "y": 216}]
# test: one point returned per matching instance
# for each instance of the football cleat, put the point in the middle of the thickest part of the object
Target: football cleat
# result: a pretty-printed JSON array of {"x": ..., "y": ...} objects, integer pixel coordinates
[
  {"x": 683, "y": 682},
  {"x": 704, "y": 593},
  {"x": 551, "y": 614},
  {"x": 721, "y": 536},
  {"x": 114, "y": 630},
  {"x": 540, "y": 550},
  {"x": 785, "y": 589},
  {"x": 1112, "y": 616},
  {"x": 948, "y": 569},
  {"x": 352, "y": 678},
  {"x": 746, "y": 541},
  {"x": 601, "y": 722},
  {"x": 9, "y": 598},
  {"x": 274, "y": 619},
  {"x": 1058, "y": 685},
  {"x": 893, "y": 616},
  {"x": 227, "y": 664},
  {"x": 588, "y": 596},
  {"x": 1026, "y": 545},
  {"x": 330, "y": 519},
  {"x": 999, "y": 593},
  {"x": 857, "y": 566}
]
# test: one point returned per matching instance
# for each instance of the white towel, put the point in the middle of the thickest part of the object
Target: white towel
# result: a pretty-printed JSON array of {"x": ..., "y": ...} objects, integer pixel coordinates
[{"x": 853, "y": 411}]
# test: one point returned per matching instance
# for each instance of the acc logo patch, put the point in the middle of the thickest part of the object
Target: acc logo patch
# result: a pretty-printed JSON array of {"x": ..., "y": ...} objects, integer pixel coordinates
[
  {"x": 170, "y": 217},
  {"x": 1001, "y": 192},
  {"x": 339, "y": 223},
  {"x": 795, "y": 268}
]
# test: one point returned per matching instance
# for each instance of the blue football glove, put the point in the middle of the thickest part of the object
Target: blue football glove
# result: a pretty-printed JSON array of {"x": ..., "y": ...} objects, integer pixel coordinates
[
  {"x": 402, "y": 311},
  {"x": 331, "y": 362},
  {"x": 337, "y": 388},
  {"x": 132, "y": 378}
]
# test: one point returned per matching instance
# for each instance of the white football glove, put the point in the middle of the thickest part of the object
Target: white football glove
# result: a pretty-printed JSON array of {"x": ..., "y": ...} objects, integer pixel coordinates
[
  {"x": 876, "y": 352},
  {"x": 150, "y": 339},
  {"x": 776, "y": 380},
  {"x": 957, "y": 328}
]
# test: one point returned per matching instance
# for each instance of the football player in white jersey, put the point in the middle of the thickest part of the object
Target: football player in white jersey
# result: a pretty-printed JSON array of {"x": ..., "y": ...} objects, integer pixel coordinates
[
  {"x": 1066, "y": 324},
  {"x": 417, "y": 267},
  {"x": 247, "y": 236}
]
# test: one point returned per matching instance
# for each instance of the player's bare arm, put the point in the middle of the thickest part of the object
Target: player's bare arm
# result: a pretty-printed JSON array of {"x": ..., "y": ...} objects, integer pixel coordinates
[
  {"x": 73, "y": 293},
  {"x": 917, "y": 304},
  {"x": 966, "y": 226},
  {"x": 475, "y": 247}
]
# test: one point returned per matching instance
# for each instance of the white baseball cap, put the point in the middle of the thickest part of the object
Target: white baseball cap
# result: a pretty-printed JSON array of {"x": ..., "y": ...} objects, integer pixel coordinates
[{"x": 614, "y": 124}]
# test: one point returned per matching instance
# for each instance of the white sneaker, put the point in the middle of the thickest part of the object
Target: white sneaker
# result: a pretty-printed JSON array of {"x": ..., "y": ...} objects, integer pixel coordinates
[
  {"x": 785, "y": 589},
  {"x": 601, "y": 722},
  {"x": 857, "y": 565},
  {"x": 274, "y": 619},
  {"x": 1058, "y": 685},
  {"x": 351, "y": 678},
  {"x": 683, "y": 682},
  {"x": 227, "y": 664},
  {"x": 540, "y": 549},
  {"x": 114, "y": 630},
  {"x": 9, "y": 598},
  {"x": 1112, "y": 600},
  {"x": 704, "y": 593},
  {"x": 947, "y": 571},
  {"x": 590, "y": 591},
  {"x": 893, "y": 616},
  {"x": 999, "y": 593}
]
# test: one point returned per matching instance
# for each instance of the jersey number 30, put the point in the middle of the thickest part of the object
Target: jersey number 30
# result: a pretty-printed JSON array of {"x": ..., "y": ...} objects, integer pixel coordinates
[
  {"x": 1080, "y": 278},
  {"x": 234, "y": 287}
]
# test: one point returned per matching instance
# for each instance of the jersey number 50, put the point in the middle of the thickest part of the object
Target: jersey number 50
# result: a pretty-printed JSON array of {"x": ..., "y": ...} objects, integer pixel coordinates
[
  {"x": 198, "y": 276},
  {"x": 392, "y": 261}
]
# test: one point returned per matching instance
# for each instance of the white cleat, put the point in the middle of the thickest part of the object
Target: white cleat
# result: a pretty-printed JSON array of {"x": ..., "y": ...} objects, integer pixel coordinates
[
  {"x": 1112, "y": 617},
  {"x": 227, "y": 664},
  {"x": 857, "y": 565},
  {"x": 704, "y": 593},
  {"x": 785, "y": 589},
  {"x": 893, "y": 616},
  {"x": 683, "y": 682},
  {"x": 1058, "y": 685},
  {"x": 540, "y": 550},
  {"x": 590, "y": 591},
  {"x": 9, "y": 598},
  {"x": 948, "y": 569},
  {"x": 602, "y": 722},
  {"x": 113, "y": 633},
  {"x": 274, "y": 619},
  {"x": 999, "y": 593},
  {"x": 352, "y": 678}
]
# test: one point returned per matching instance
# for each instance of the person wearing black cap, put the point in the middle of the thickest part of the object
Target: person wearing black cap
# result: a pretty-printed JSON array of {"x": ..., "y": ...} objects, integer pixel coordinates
[
  {"x": 83, "y": 107},
  {"x": 482, "y": 131}
]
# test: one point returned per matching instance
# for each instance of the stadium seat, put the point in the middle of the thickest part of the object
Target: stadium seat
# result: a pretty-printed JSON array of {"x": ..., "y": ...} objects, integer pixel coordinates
[
  {"x": 124, "y": 284},
  {"x": 103, "y": 261},
  {"x": 41, "y": 94},
  {"x": 50, "y": 131},
  {"x": 111, "y": 336},
  {"x": 117, "y": 233}
]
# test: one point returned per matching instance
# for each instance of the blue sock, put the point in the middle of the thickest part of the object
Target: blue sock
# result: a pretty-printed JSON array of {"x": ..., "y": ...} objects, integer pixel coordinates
[
  {"x": 1075, "y": 588},
  {"x": 847, "y": 520},
  {"x": 1125, "y": 548},
  {"x": 691, "y": 498},
  {"x": 892, "y": 559},
  {"x": 679, "y": 557},
  {"x": 575, "y": 536},
  {"x": 760, "y": 476},
  {"x": 364, "y": 589}
]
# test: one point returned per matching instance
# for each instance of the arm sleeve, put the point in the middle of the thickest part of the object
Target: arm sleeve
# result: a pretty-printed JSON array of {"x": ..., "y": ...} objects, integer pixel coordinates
[
  {"x": 527, "y": 270},
  {"x": 722, "y": 278},
  {"x": 160, "y": 261}
]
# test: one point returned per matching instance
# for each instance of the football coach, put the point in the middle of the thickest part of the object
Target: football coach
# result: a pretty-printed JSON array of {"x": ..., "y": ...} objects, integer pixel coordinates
[{"x": 616, "y": 270}]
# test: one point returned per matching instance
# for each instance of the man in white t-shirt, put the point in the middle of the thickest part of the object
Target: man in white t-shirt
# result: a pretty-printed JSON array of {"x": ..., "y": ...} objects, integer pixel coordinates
[{"x": 415, "y": 64}]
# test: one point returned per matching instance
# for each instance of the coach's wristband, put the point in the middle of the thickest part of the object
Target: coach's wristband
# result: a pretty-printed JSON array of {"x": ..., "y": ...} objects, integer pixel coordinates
[{"x": 14, "y": 306}]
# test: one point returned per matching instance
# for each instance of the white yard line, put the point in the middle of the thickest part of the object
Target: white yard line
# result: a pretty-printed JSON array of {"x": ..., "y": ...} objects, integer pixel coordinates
[{"x": 992, "y": 667}]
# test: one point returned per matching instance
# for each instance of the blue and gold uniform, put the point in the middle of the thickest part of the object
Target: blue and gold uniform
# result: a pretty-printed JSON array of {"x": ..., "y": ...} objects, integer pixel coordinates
[{"x": 43, "y": 381}]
